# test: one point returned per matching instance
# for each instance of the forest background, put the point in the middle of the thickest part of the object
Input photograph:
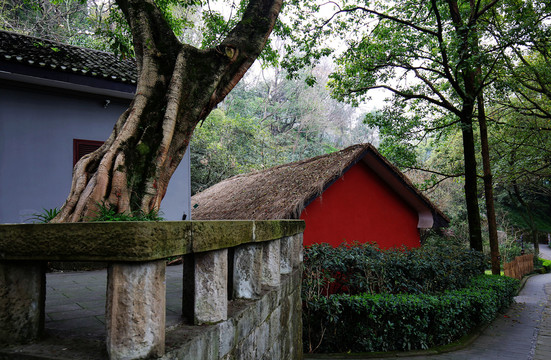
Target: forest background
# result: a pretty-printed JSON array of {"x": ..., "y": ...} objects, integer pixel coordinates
[{"x": 302, "y": 99}]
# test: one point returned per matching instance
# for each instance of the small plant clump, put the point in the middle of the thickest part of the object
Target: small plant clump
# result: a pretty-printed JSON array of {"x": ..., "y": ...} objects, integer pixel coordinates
[
  {"x": 107, "y": 212},
  {"x": 45, "y": 217}
]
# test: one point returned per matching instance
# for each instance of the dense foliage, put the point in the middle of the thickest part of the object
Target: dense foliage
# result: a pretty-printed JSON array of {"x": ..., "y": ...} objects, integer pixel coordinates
[
  {"x": 360, "y": 298},
  {"x": 386, "y": 322},
  {"x": 364, "y": 268}
]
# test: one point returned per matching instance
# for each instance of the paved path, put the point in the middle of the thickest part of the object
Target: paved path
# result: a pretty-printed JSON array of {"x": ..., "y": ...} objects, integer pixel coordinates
[
  {"x": 543, "y": 343},
  {"x": 75, "y": 302}
]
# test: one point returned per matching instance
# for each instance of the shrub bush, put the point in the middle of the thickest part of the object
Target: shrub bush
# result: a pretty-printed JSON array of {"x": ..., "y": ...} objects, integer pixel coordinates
[
  {"x": 364, "y": 268},
  {"x": 387, "y": 322}
]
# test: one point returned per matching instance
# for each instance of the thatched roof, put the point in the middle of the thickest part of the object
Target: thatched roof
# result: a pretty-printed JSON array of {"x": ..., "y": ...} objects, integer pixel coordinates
[{"x": 283, "y": 191}]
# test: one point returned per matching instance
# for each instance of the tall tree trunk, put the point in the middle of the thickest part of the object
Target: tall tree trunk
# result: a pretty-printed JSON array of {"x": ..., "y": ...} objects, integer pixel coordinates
[
  {"x": 468, "y": 37},
  {"x": 471, "y": 191},
  {"x": 178, "y": 85},
  {"x": 488, "y": 187}
]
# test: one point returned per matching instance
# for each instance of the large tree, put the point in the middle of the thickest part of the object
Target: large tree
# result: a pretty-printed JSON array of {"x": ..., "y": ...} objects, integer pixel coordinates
[
  {"x": 429, "y": 55},
  {"x": 178, "y": 85}
]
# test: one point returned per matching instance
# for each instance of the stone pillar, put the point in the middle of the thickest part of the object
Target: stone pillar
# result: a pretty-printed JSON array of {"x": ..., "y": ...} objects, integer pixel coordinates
[
  {"x": 135, "y": 310},
  {"x": 247, "y": 271},
  {"x": 286, "y": 260},
  {"x": 271, "y": 255},
  {"x": 205, "y": 298},
  {"x": 22, "y": 296},
  {"x": 298, "y": 251}
]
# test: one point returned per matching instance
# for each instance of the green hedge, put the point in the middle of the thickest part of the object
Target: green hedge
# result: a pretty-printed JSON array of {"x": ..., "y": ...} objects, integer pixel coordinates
[
  {"x": 364, "y": 268},
  {"x": 400, "y": 322}
]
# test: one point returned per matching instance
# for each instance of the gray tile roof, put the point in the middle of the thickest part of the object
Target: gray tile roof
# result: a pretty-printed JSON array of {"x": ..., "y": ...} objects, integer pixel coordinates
[{"x": 53, "y": 56}]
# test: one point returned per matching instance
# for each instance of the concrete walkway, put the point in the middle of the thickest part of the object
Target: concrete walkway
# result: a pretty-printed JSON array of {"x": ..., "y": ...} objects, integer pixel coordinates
[{"x": 75, "y": 302}]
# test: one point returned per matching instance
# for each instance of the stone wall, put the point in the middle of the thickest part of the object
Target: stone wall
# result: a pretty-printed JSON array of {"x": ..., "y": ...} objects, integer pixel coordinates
[
  {"x": 267, "y": 328},
  {"x": 241, "y": 296}
]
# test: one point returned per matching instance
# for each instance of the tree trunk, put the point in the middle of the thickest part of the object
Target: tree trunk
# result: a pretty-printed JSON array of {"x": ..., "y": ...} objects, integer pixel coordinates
[
  {"x": 178, "y": 85},
  {"x": 488, "y": 188},
  {"x": 471, "y": 191},
  {"x": 468, "y": 36}
]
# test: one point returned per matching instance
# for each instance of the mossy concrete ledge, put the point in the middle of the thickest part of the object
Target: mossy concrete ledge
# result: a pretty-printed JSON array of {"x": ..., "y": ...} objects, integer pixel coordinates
[{"x": 133, "y": 241}]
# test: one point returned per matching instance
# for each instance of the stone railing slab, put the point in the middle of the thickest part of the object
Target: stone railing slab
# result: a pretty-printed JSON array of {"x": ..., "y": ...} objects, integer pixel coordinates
[
  {"x": 95, "y": 241},
  {"x": 214, "y": 235},
  {"x": 133, "y": 241}
]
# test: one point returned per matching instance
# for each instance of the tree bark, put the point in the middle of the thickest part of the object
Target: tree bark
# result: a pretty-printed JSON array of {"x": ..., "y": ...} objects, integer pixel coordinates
[
  {"x": 488, "y": 188},
  {"x": 178, "y": 85},
  {"x": 471, "y": 191},
  {"x": 468, "y": 37}
]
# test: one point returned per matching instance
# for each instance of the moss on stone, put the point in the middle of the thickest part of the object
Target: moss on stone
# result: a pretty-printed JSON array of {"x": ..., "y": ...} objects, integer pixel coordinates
[
  {"x": 133, "y": 241},
  {"x": 99, "y": 241},
  {"x": 276, "y": 229},
  {"x": 213, "y": 235}
]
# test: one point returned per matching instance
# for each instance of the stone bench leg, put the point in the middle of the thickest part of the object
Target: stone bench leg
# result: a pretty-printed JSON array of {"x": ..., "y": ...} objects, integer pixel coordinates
[
  {"x": 22, "y": 296},
  {"x": 205, "y": 282},
  {"x": 135, "y": 312}
]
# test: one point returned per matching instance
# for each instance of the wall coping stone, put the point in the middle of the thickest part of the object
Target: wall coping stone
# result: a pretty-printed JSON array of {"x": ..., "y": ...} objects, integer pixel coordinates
[{"x": 136, "y": 240}]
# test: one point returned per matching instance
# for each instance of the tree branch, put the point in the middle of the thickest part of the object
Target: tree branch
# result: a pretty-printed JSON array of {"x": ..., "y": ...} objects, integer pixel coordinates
[
  {"x": 381, "y": 15},
  {"x": 443, "y": 50},
  {"x": 410, "y": 96},
  {"x": 436, "y": 172}
]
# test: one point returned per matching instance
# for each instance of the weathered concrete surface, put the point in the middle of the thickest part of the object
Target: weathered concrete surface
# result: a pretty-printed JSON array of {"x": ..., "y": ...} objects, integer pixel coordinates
[
  {"x": 135, "y": 314},
  {"x": 298, "y": 255},
  {"x": 276, "y": 229},
  {"x": 287, "y": 258},
  {"x": 211, "y": 287},
  {"x": 212, "y": 235},
  {"x": 247, "y": 271},
  {"x": 22, "y": 294}
]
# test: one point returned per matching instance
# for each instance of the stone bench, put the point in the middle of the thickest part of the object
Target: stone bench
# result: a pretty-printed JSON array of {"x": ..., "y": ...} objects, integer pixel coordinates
[{"x": 222, "y": 260}]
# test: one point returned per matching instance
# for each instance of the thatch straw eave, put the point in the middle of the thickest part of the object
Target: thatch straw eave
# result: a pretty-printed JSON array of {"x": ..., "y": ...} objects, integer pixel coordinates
[{"x": 282, "y": 192}]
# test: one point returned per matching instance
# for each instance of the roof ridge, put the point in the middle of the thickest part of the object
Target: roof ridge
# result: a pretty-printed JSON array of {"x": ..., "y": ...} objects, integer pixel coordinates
[
  {"x": 304, "y": 161},
  {"x": 61, "y": 43},
  {"x": 40, "y": 57}
]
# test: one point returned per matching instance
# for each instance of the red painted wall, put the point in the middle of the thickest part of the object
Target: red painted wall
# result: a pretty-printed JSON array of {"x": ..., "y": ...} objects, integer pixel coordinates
[{"x": 360, "y": 207}]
